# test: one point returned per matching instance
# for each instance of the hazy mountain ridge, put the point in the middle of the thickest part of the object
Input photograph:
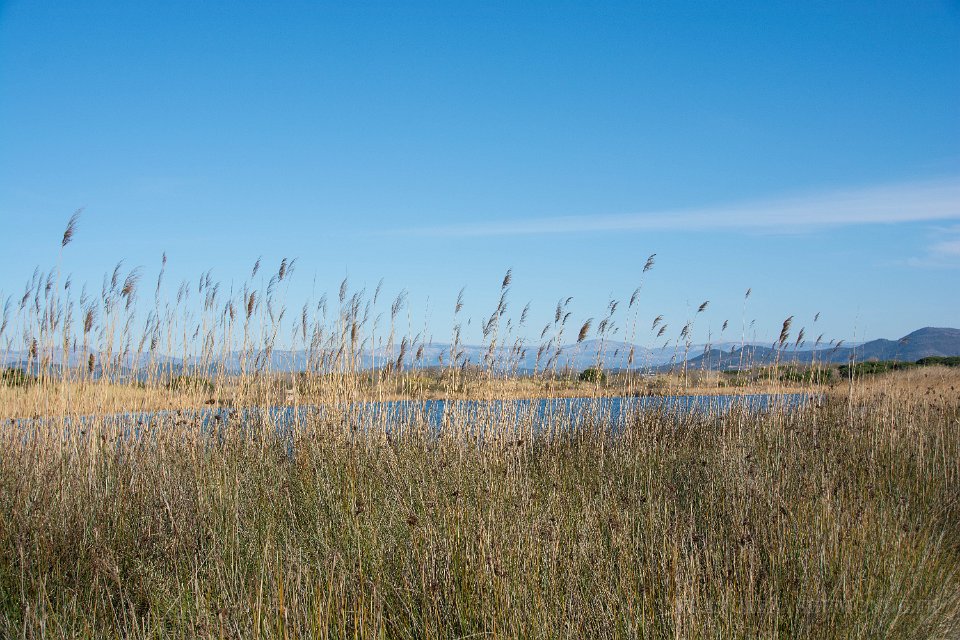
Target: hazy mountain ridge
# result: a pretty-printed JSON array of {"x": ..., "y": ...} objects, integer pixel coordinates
[
  {"x": 610, "y": 354},
  {"x": 922, "y": 343}
]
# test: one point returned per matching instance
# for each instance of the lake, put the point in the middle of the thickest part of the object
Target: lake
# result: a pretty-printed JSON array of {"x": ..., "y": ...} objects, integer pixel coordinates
[{"x": 504, "y": 415}]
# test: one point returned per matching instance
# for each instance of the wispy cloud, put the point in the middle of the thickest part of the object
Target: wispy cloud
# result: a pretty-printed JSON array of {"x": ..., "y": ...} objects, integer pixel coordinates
[
  {"x": 887, "y": 204},
  {"x": 947, "y": 248},
  {"x": 943, "y": 252}
]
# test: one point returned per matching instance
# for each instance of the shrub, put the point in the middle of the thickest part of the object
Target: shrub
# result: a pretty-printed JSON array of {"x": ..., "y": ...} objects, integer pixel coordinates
[
  {"x": 190, "y": 383},
  {"x": 592, "y": 375},
  {"x": 883, "y": 366},
  {"x": 812, "y": 376},
  {"x": 15, "y": 378},
  {"x": 873, "y": 367},
  {"x": 943, "y": 361}
]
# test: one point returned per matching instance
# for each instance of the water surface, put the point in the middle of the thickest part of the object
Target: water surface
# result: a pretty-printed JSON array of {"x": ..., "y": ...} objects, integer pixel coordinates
[{"x": 538, "y": 413}]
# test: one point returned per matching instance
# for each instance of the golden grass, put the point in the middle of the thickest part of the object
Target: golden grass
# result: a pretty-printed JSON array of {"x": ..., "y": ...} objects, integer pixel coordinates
[
  {"x": 922, "y": 382},
  {"x": 839, "y": 518},
  {"x": 833, "y": 521},
  {"x": 100, "y": 397},
  {"x": 90, "y": 398}
]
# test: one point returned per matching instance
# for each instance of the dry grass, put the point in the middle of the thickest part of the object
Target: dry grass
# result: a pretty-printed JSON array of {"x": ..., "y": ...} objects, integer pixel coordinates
[
  {"x": 103, "y": 397},
  {"x": 924, "y": 382},
  {"x": 91, "y": 398},
  {"x": 838, "y": 519}
]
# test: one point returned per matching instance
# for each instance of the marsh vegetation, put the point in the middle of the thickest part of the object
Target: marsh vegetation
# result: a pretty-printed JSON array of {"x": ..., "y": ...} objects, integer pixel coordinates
[{"x": 833, "y": 518}]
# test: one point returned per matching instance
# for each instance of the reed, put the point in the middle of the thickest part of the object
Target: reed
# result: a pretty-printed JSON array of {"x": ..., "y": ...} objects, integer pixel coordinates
[{"x": 236, "y": 498}]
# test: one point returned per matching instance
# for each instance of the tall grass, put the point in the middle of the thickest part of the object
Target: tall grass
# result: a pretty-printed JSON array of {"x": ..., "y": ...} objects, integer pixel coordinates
[
  {"x": 801, "y": 523},
  {"x": 836, "y": 518}
]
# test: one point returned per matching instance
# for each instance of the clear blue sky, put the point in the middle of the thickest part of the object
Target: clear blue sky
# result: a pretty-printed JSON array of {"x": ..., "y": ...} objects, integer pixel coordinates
[{"x": 808, "y": 150}]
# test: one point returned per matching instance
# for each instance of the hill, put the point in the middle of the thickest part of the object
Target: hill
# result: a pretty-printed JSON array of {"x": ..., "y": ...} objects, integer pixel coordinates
[
  {"x": 922, "y": 343},
  {"x": 614, "y": 355}
]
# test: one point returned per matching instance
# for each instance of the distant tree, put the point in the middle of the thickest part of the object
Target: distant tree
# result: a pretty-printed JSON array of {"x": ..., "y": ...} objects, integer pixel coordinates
[{"x": 592, "y": 375}]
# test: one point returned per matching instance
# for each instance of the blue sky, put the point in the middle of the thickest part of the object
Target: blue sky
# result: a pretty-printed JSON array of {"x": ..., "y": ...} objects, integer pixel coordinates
[{"x": 809, "y": 150}]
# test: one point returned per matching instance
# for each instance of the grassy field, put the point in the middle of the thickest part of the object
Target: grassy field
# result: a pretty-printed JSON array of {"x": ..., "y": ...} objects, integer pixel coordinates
[
  {"x": 839, "y": 520},
  {"x": 836, "y": 519}
]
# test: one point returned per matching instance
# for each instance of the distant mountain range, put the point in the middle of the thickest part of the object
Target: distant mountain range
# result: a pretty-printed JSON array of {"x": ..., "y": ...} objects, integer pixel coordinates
[
  {"x": 922, "y": 343},
  {"x": 613, "y": 355}
]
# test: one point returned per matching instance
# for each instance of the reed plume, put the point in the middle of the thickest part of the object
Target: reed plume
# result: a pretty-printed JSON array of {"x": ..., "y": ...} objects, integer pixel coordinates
[
  {"x": 584, "y": 330},
  {"x": 71, "y": 228},
  {"x": 785, "y": 331}
]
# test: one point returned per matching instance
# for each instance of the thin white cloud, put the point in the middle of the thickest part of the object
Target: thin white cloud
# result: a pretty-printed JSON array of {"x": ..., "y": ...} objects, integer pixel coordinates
[
  {"x": 888, "y": 204},
  {"x": 947, "y": 248},
  {"x": 944, "y": 252}
]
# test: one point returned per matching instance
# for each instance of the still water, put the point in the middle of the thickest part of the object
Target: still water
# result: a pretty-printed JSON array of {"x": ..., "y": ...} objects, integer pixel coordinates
[{"x": 539, "y": 413}]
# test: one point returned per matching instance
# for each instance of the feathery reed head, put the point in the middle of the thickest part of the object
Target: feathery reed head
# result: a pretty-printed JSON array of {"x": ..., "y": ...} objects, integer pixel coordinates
[
  {"x": 785, "y": 330},
  {"x": 584, "y": 330},
  {"x": 130, "y": 283},
  {"x": 71, "y": 228}
]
